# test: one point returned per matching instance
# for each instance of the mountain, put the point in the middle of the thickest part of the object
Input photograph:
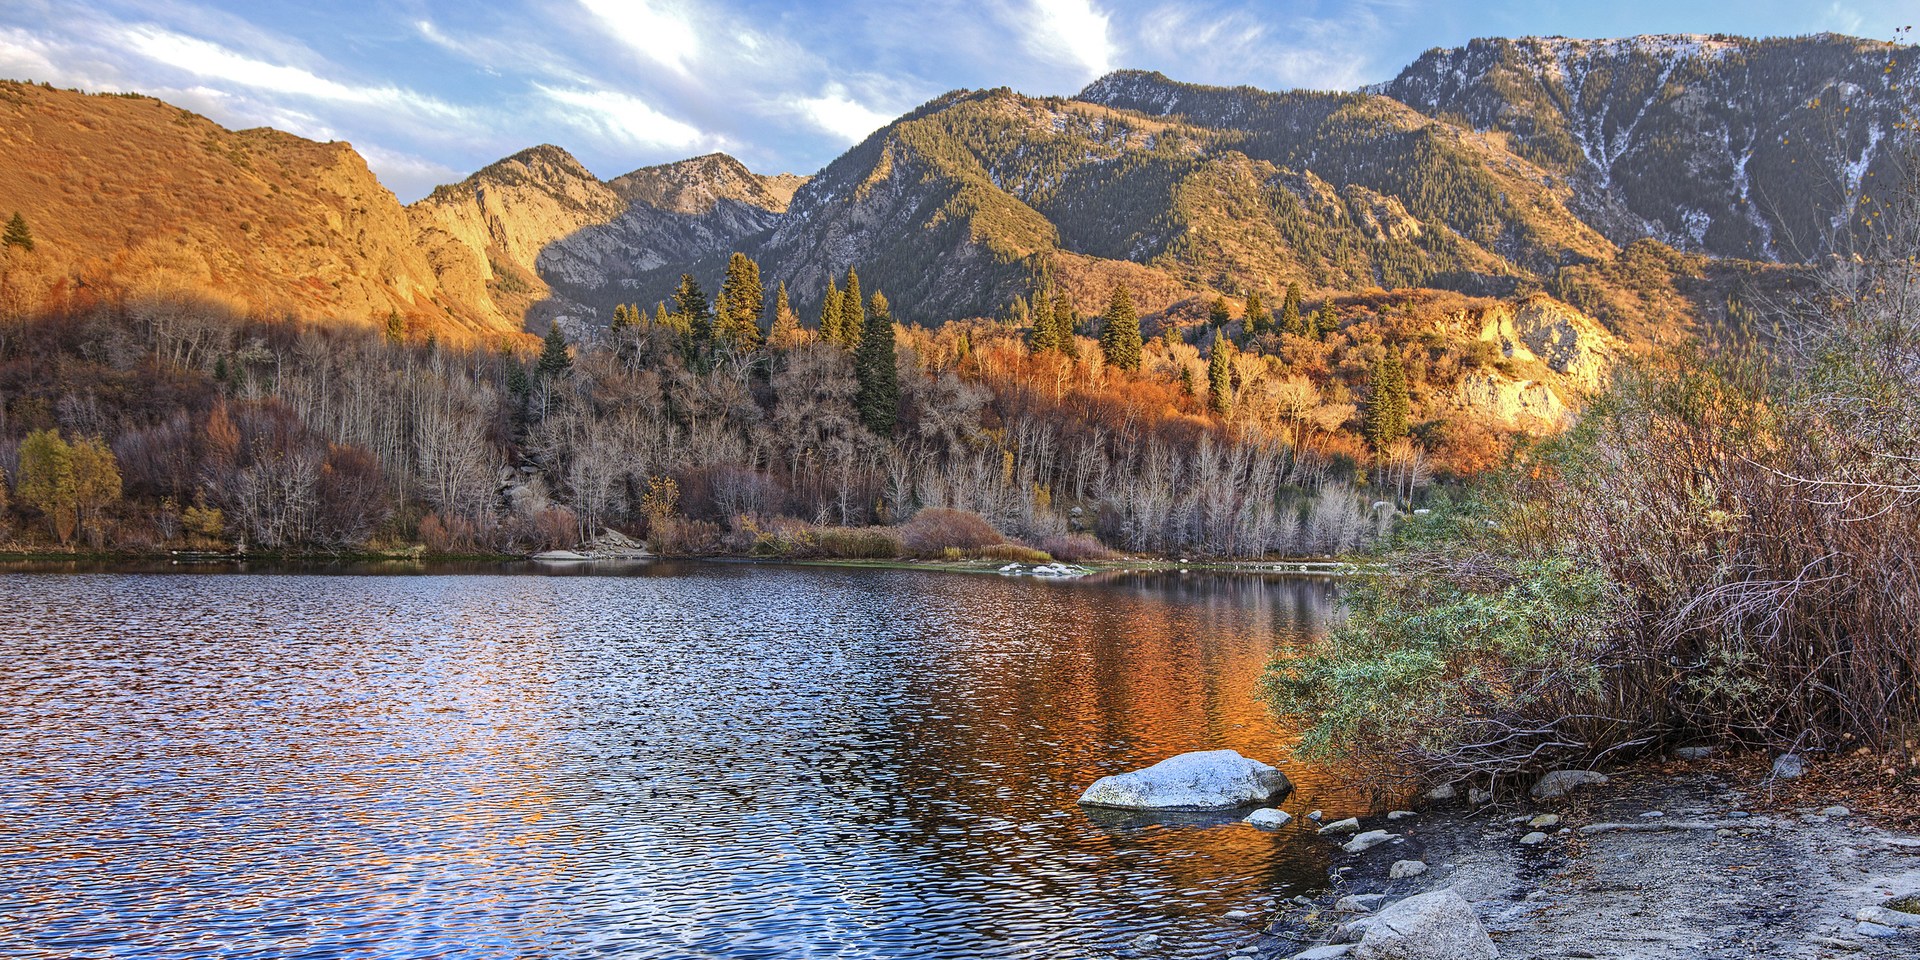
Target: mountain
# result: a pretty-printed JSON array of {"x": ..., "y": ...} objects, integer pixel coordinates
[
  {"x": 1652, "y": 182},
  {"x": 130, "y": 192},
  {"x": 1739, "y": 148},
  {"x": 554, "y": 241}
]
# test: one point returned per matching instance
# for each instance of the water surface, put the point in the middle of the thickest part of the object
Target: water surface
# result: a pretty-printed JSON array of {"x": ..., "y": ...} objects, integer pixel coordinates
[{"x": 699, "y": 761}]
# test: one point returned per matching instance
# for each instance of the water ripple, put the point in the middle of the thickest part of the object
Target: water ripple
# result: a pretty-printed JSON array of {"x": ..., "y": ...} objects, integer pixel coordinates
[{"x": 701, "y": 761}]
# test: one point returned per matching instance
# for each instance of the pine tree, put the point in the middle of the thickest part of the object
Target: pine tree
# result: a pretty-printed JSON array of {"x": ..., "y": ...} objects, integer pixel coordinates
[
  {"x": 1219, "y": 314},
  {"x": 745, "y": 302},
  {"x": 878, "y": 394},
  {"x": 396, "y": 328},
  {"x": 1120, "y": 333},
  {"x": 1044, "y": 336},
  {"x": 830, "y": 313},
  {"x": 787, "y": 332},
  {"x": 1387, "y": 407},
  {"x": 18, "y": 235},
  {"x": 1259, "y": 320},
  {"x": 1322, "y": 322},
  {"x": 1290, "y": 321},
  {"x": 1186, "y": 380},
  {"x": 622, "y": 318},
  {"x": 1220, "y": 377},
  {"x": 1066, "y": 325},
  {"x": 554, "y": 360},
  {"x": 691, "y": 308},
  {"x": 853, "y": 314}
]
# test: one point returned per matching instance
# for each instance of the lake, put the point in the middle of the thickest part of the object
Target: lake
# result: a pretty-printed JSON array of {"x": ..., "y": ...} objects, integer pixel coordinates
[{"x": 668, "y": 760}]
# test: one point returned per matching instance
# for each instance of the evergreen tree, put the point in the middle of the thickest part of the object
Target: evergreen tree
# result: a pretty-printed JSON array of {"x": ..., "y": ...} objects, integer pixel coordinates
[
  {"x": 744, "y": 300},
  {"x": 396, "y": 328},
  {"x": 1044, "y": 336},
  {"x": 554, "y": 360},
  {"x": 830, "y": 313},
  {"x": 786, "y": 333},
  {"x": 1220, "y": 377},
  {"x": 853, "y": 314},
  {"x": 17, "y": 234},
  {"x": 692, "y": 310},
  {"x": 878, "y": 394},
  {"x": 1259, "y": 320},
  {"x": 1186, "y": 380},
  {"x": 1219, "y": 314},
  {"x": 622, "y": 318},
  {"x": 1066, "y": 323},
  {"x": 1120, "y": 333},
  {"x": 1387, "y": 407},
  {"x": 1322, "y": 322},
  {"x": 1290, "y": 321},
  {"x": 962, "y": 349}
]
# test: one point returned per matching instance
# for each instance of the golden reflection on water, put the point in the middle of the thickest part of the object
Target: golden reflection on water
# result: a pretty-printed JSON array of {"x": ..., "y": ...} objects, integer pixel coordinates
[{"x": 704, "y": 760}]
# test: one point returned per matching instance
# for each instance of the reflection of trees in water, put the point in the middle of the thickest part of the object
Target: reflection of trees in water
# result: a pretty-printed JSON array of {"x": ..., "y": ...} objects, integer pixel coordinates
[{"x": 1038, "y": 688}]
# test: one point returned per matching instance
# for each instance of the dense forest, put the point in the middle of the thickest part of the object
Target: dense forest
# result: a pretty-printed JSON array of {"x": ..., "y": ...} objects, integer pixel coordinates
[{"x": 138, "y": 420}]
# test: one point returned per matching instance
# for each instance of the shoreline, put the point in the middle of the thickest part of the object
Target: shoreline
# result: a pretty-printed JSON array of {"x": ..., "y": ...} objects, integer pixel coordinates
[
  {"x": 1296, "y": 567},
  {"x": 1665, "y": 861}
]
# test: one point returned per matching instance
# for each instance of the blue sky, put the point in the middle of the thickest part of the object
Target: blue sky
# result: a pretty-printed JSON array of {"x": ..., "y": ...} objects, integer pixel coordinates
[{"x": 430, "y": 90}]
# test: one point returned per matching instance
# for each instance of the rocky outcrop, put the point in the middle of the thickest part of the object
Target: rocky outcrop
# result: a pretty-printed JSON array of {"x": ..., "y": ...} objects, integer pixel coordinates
[
  {"x": 1543, "y": 330},
  {"x": 1206, "y": 780},
  {"x": 555, "y": 243}
]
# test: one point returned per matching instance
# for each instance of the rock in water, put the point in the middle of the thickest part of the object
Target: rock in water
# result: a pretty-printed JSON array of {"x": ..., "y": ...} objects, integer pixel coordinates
[
  {"x": 1402, "y": 869},
  {"x": 1205, "y": 780},
  {"x": 1789, "y": 766},
  {"x": 1349, "y": 825},
  {"x": 1432, "y": 926},
  {"x": 1561, "y": 782},
  {"x": 1269, "y": 819}
]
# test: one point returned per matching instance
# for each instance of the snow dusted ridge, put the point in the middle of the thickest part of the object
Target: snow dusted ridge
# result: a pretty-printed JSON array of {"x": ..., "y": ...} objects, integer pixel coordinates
[{"x": 1725, "y": 145}]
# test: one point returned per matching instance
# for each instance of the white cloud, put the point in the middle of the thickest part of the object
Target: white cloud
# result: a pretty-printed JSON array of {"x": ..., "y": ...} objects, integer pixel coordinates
[
  {"x": 1073, "y": 32},
  {"x": 841, "y": 115},
  {"x": 1234, "y": 46},
  {"x": 630, "y": 120},
  {"x": 213, "y": 61},
  {"x": 666, "y": 37}
]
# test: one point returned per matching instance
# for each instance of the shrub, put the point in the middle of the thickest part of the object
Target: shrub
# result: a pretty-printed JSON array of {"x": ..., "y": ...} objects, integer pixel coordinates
[
  {"x": 1012, "y": 553},
  {"x": 1076, "y": 548},
  {"x": 856, "y": 543},
  {"x": 936, "y": 529}
]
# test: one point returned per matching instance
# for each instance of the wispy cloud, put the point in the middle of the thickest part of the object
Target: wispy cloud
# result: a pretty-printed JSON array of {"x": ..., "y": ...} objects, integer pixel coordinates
[
  {"x": 627, "y": 119},
  {"x": 202, "y": 58}
]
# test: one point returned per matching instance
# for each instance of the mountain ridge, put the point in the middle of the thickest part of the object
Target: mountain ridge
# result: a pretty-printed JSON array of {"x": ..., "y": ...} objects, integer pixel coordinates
[{"x": 1501, "y": 167}]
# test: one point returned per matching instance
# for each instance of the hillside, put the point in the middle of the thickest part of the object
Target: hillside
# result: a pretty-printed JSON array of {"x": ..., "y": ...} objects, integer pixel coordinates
[
  {"x": 131, "y": 193},
  {"x": 1724, "y": 145}
]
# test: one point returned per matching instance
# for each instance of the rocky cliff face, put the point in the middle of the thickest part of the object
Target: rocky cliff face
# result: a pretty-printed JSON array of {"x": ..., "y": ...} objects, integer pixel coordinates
[
  {"x": 1744, "y": 148},
  {"x": 554, "y": 242}
]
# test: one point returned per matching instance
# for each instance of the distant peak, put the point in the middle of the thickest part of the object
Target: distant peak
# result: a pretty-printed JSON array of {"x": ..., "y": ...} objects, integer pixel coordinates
[{"x": 544, "y": 157}]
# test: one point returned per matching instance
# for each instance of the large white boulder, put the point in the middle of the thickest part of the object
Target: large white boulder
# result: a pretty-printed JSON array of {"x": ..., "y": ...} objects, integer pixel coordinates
[
  {"x": 1432, "y": 926},
  {"x": 1206, "y": 780}
]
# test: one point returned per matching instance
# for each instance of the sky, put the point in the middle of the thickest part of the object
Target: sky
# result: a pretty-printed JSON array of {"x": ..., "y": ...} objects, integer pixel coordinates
[{"x": 431, "y": 90}]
